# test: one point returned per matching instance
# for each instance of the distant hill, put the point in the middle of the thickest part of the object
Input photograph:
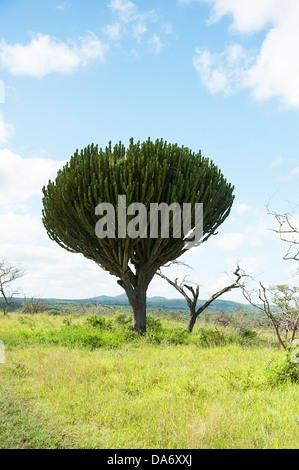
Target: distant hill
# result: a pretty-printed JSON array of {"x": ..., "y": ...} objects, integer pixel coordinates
[
  {"x": 180, "y": 304},
  {"x": 154, "y": 302}
]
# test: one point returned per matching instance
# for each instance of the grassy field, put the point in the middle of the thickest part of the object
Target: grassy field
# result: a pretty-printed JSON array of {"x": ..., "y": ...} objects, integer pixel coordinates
[{"x": 89, "y": 382}]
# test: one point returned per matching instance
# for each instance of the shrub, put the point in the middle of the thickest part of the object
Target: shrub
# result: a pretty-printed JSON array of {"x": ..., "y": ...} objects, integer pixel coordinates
[
  {"x": 153, "y": 323},
  {"x": 122, "y": 319},
  {"x": 282, "y": 370},
  {"x": 53, "y": 311},
  {"x": 247, "y": 333},
  {"x": 211, "y": 337},
  {"x": 33, "y": 306},
  {"x": 177, "y": 336},
  {"x": 97, "y": 321}
]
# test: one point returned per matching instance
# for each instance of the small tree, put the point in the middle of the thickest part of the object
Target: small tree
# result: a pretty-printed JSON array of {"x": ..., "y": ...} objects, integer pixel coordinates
[
  {"x": 280, "y": 304},
  {"x": 8, "y": 274},
  {"x": 151, "y": 172},
  {"x": 193, "y": 298},
  {"x": 287, "y": 300}
]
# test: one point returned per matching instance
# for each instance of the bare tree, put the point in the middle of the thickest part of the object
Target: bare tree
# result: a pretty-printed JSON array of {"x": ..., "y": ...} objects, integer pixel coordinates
[
  {"x": 193, "y": 298},
  {"x": 8, "y": 274},
  {"x": 288, "y": 231}
]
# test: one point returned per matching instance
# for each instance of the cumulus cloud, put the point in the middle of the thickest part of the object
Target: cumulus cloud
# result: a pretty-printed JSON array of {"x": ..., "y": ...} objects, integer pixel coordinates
[
  {"x": 231, "y": 241},
  {"x": 22, "y": 178},
  {"x": 20, "y": 228},
  {"x": 277, "y": 161},
  {"x": 155, "y": 44},
  {"x": 252, "y": 232},
  {"x": 52, "y": 271},
  {"x": 113, "y": 31},
  {"x": 124, "y": 8},
  {"x": 45, "y": 54},
  {"x": 6, "y": 130},
  {"x": 272, "y": 71},
  {"x": 252, "y": 265},
  {"x": 242, "y": 209},
  {"x": 222, "y": 72},
  {"x": 131, "y": 21}
]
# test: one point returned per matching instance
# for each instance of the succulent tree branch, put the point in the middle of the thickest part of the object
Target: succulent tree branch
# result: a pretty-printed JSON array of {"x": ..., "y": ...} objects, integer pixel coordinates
[{"x": 148, "y": 172}]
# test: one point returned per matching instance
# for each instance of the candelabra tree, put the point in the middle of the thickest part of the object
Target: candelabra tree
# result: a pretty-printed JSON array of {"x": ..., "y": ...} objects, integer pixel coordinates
[{"x": 149, "y": 172}]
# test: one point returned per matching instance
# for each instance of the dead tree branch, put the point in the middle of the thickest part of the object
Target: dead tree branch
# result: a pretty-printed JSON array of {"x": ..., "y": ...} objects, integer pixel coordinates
[{"x": 193, "y": 298}]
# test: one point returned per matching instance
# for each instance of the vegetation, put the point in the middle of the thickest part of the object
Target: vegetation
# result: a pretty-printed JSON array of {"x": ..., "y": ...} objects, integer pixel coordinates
[
  {"x": 148, "y": 172},
  {"x": 8, "y": 274},
  {"x": 76, "y": 381}
]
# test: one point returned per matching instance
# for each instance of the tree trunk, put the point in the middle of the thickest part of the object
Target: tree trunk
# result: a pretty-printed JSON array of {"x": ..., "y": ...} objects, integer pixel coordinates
[
  {"x": 7, "y": 302},
  {"x": 137, "y": 298},
  {"x": 135, "y": 286},
  {"x": 138, "y": 304},
  {"x": 192, "y": 320}
]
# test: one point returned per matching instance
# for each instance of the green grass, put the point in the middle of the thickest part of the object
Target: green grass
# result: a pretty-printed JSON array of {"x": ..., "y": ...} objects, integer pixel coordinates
[
  {"x": 96, "y": 383},
  {"x": 20, "y": 428}
]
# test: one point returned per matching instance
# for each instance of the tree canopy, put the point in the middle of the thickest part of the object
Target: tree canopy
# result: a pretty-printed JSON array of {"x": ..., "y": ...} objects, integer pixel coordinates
[{"x": 148, "y": 172}]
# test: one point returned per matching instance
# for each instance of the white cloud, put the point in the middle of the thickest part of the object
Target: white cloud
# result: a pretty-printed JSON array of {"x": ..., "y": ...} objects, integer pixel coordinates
[
  {"x": 252, "y": 265},
  {"x": 167, "y": 29},
  {"x": 52, "y": 271},
  {"x": 124, "y": 8},
  {"x": 62, "y": 6},
  {"x": 20, "y": 228},
  {"x": 252, "y": 229},
  {"x": 277, "y": 161},
  {"x": 224, "y": 71},
  {"x": 155, "y": 44},
  {"x": 2, "y": 92},
  {"x": 113, "y": 31},
  {"x": 22, "y": 178},
  {"x": 242, "y": 208},
  {"x": 131, "y": 21},
  {"x": 273, "y": 71},
  {"x": 231, "y": 241},
  {"x": 295, "y": 170},
  {"x": 6, "y": 130},
  {"x": 45, "y": 54},
  {"x": 139, "y": 30},
  {"x": 248, "y": 17}
]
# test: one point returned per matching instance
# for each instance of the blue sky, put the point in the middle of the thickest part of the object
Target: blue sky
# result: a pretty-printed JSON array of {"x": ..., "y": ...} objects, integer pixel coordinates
[{"x": 216, "y": 75}]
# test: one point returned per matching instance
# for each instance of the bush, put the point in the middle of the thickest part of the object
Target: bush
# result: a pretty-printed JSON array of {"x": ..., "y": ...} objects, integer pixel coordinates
[
  {"x": 211, "y": 337},
  {"x": 177, "y": 336},
  {"x": 53, "y": 311},
  {"x": 281, "y": 371},
  {"x": 33, "y": 306},
  {"x": 247, "y": 333},
  {"x": 153, "y": 323},
  {"x": 97, "y": 321},
  {"x": 122, "y": 319}
]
